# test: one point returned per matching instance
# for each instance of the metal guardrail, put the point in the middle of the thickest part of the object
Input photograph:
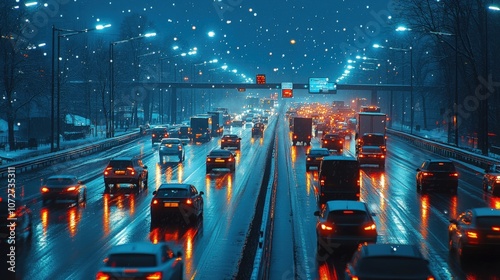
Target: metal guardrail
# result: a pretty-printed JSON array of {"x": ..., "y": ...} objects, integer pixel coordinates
[
  {"x": 62, "y": 156},
  {"x": 445, "y": 150}
]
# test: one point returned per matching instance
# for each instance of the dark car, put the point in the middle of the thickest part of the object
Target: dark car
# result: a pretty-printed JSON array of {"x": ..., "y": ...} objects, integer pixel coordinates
[
  {"x": 315, "y": 156},
  {"x": 16, "y": 220},
  {"x": 171, "y": 147},
  {"x": 171, "y": 201},
  {"x": 258, "y": 129},
  {"x": 475, "y": 231},
  {"x": 344, "y": 223},
  {"x": 333, "y": 141},
  {"x": 127, "y": 173},
  {"x": 339, "y": 178},
  {"x": 437, "y": 174},
  {"x": 371, "y": 155},
  {"x": 388, "y": 261},
  {"x": 230, "y": 141},
  {"x": 491, "y": 180},
  {"x": 158, "y": 133},
  {"x": 63, "y": 187},
  {"x": 142, "y": 260},
  {"x": 220, "y": 158}
]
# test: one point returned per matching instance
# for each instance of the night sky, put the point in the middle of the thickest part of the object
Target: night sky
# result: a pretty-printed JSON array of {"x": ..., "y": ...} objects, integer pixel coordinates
[{"x": 284, "y": 39}]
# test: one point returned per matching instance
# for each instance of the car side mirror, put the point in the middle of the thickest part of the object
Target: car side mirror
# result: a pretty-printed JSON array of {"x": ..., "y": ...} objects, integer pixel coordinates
[
  {"x": 316, "y": 213},
  {"x": 154, "y": 192},
  {"x": 202, "y": 193}
]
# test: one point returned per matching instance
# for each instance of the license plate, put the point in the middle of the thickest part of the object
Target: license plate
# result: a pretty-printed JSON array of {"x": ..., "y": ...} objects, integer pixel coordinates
[
  {"x": 171, "y": 204},
  {"x": 120, "y": 172},
  {"x": 219, "y": 160}
]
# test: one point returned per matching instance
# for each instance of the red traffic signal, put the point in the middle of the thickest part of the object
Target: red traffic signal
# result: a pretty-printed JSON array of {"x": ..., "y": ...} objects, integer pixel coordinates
[
  {"x": 261, "y": 79},
  {"x": 287, "y": 93}
]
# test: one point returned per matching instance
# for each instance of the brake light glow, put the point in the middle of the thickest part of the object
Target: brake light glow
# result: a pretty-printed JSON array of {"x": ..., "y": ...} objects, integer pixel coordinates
[
  {"x": 106, "y": 171},
  {"x": 154, "y": 276},
  {"x": 370, "y": 227},
  {"x": 132, "y": 171},
  {"x": 45, "y": 189},
  {"x": 189, "y": 201},
  {"x": 102, "y": 276},
  {"x": 229, "y": 159},
  {"x": 427, "y": 174},
  {"x": 471, "y": 234},
  {"x": 495, "y": 228},
  {"x": 155, "y": 201},
  {"x": 348, "y": 212},
  {"x": 454, "y": 174},
  {"x": 70, "y": 189},
  {"x": 430, "y": 278},
  {"x": 133, "y": 270},
  {"x": 326, "y": 227}
]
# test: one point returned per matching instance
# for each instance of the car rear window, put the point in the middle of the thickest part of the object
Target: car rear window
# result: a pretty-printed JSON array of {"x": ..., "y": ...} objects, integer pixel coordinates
[
  {"x": 171, "y": 141},
  {"x": 173, "y": 193},
  {"x": 441, "y": 166},
  {"x": 347, "y": 217},
  {"x": 221, "y": 153},
  {"x": 340, "y": 173},
  {"x": 399, "y": 267},
  {"x": 60, "y": 181},
  {"x": 131, "y": 260},
  {"x": 487, "y": 222},
  {"x": 120, "y": 164}
]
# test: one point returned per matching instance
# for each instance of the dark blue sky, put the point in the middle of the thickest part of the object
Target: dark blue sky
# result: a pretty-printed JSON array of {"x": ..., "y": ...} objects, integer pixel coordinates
[{"x": 284, "y": 39}]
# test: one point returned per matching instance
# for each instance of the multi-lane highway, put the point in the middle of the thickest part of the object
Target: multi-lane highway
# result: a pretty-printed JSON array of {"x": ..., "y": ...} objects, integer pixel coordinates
[{"x": 70, "y": 241}]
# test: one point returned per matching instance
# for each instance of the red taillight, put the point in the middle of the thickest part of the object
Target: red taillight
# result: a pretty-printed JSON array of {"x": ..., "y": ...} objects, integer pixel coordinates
[
  {"x": 495, "y": 228},
  {"x": 454, "y": 174},
  {"x": 471, "y": 234},
  {"x": 102, "y": 276},
  {"x": 45, "y": 189},
  {"x": 132, "y": 171},
  {"x": 371, "y": 226},
  {"x": 189, "y": 201},
  {"x": 154, "y": 135},
  {"x": 326, "y": 227},
  {"x": 209, "y": 159},
  {"x": 70, "y": 189},
  {"x": 154, "y": 276},
  {"x": 322, "y": 181},
  {"x": 326, "y": 142},
  {"x": 229, "y": 159},
  {"x": 361, "y": 155},
  {"x": 382, "y": 156},
  {"x": 106, "y": 171},
  {"x": 308, "y": 159},
  {"x": 431, "y": 277},
  {"x": 340, "y": 141},
  {"x": 427, "y": 174},
  {"x": 155, "y": 201}
]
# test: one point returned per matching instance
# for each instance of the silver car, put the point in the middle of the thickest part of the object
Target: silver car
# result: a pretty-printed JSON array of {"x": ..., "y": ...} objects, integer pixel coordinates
[{"x": 171, "y": 147}]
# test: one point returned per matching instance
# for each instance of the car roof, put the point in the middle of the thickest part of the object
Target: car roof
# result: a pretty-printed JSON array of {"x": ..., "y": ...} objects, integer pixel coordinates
[
  {"x": 335, "y": 205},
  {"x": 171, "y": 139},
  {"x": 486, "y": 212},
  {"x": 140, "y": 247},
  {"x": 174, "y": 186},
  {"x": 384, "y": 250},
  {"x": 122, "y": 158},
  {"x": 223, "y": 151},
  {"x": 339, "y": 158},
  {"x": 230, "y": 135}
]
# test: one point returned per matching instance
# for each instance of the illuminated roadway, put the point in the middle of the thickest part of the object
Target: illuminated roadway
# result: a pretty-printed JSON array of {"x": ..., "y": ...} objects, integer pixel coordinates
[{"x": 70, "y": 242}]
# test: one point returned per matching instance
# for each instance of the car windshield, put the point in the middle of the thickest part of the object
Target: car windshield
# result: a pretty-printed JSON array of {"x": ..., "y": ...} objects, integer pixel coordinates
[
  {"x": 347, "y": 217},
  {"x": 319, "y": 153},
  {"x": 488, "y": 221},
  {"x": 399, "y": 267},
  {"x": 120, "y": 164},
  {"x": 131, "y": 260},
  {"x": 220, "y": 153},
  {"x": 60, "y": 181},
  {"x": 172, "y": 193},
  {"x": 441, "y": 166},
  {"x": 170, "y": 141}
]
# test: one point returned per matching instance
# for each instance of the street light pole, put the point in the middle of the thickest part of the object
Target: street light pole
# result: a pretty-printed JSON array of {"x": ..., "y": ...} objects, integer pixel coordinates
[
  {"x": 411, "y": 91},
  {"x": 68, "y": 33},
  {"x": 112, "y": 79}
]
